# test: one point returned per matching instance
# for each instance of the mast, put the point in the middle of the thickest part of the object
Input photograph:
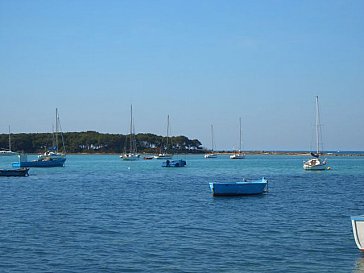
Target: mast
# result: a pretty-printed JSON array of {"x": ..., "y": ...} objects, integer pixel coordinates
[
  {"x": 56, "y": 130},
  {"x": 167, "y": 133},
  {"x": 131, "y": 128},
  {"x": 240, "y": 135},
  {"x": 212, "y": 138},
  {"x": 317, "y": 126},
  {"x": 9, "y": 139}
]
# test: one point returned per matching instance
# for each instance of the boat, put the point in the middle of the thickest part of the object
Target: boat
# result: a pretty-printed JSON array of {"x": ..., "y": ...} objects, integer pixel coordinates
[
  {"x": 14, "y": 172},
  {"x": 316, "y": 163},
  {"x": 164, "y": 155},
  {"x": 243, "y": 187},
  {"x": 8, "y": 152},
  {"x": 174, "y": 163},
  {"x": 148, "y": 157},
  {"x": 357, "y": 223},
  {"x": 211, "y": 154},
  {"x": 238, "y": 154},
  {"x": 50, "y": 158},
  {"x": 132, "y": 154}
]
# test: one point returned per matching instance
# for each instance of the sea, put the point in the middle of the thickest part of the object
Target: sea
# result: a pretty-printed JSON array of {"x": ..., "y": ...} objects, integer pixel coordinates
[{"x": 102, "y": 214}]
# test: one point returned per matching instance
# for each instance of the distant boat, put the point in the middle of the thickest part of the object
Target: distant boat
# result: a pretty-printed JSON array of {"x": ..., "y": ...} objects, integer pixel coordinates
[
  {"x": 14, "y": 172},
  {"x": 316, "y": 163},
  {"x": 357, "y": 223},
  {"x": 8, "y": 152},
  {"x": 165, "y": 155},
  {"x": 51, "y": 158},
  {"x": 174, "y": 163},
  {"x": 132, "y": 154},
  {"x": 212, "y": 154},
  {"x": 239, "y": 188},
  {"x": 239, "y": 154}
]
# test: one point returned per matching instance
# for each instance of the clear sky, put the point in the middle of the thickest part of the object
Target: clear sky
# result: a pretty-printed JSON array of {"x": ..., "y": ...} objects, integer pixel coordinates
[{"x": 202, "y": 62}]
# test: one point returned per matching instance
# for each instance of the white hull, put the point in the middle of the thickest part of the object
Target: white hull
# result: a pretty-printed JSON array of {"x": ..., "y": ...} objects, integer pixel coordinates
[
  {"x": 7, "y": 153},
  {"x": 210, "y": 156},
  {"x": 357, "y": 223},
  {"x": 237, "y": 156},
  {"x": 163, "y": 156},
  {"x": 315, "y": 164},
  {"x": 130, "y": 157}
]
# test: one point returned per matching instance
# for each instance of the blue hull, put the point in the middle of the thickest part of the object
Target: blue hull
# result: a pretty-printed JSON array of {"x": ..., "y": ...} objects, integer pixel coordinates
[
  {"x": 40, "y": 163},
  {"x": 14, "y": 172},
  {"x": 174, "y": 163},
  {"x": 239, "y": 188}
]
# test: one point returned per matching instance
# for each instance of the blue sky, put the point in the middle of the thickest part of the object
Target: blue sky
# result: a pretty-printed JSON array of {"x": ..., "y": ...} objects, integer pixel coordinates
[{"x": 201, "y": 62}]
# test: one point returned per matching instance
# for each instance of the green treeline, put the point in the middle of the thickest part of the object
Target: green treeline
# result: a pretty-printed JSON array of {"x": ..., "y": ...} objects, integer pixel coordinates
[{"x": 94, "y": 142}]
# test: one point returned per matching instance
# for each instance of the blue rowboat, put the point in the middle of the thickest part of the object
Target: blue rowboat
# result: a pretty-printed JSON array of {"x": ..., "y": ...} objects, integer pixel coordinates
[
  {"x": 239, "y": 188},
  {"x": 357, "y": 223},
  {"x": 174, "y": 163}
]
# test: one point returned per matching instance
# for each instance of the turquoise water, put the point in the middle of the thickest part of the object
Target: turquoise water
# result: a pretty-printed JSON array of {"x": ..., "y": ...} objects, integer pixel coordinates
[{"x": 101, "y": 214}]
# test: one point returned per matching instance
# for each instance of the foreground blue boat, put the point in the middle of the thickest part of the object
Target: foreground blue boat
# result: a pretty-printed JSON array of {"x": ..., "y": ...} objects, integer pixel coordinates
[
  {"x": 357, "y": 223},
  {"x": 52, "y": 160},
  {"x": 239, "y": 188},
  {"x": 174, "y": 163},
  {"x": 14, "y": 172}
]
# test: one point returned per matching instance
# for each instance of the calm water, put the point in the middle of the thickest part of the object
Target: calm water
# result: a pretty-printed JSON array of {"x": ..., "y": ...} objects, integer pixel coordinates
[{"x": 100, "y": 214}]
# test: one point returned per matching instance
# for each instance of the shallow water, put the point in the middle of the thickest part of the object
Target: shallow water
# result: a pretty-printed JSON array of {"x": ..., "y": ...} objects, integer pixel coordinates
[{"x": 101, "y": 214}]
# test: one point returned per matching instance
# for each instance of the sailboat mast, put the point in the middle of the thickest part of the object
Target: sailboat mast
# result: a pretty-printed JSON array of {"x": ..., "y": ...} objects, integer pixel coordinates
[
  {"x": 57, "y": 130},
  {"x": 212, "y": 138},
  {"x": 317, "y": 126},
  {"x": 240, "y": 135},
  {"x": 9, "y": 139},
  {"x": 167, "y": 132},
  {"x": 131, "y": 127}
]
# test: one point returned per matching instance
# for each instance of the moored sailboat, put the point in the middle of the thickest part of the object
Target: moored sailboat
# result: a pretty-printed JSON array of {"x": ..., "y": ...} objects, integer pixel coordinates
[
  {"x": 51, "y": 158},
  {"x": 316, "y": 163},
  {"x": 211, "y": 154},
  {"x": 164, "y": 148},
  {"x": 8, "y": 152},
  {"x": 132, "y": 154},
  {"x": 238, "y": 154}
]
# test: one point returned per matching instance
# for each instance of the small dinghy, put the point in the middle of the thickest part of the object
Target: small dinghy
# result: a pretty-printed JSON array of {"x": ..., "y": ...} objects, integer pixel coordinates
[
  {"x": 357, "y": 223},
  {"x": 14, "y": 172},
  {"x": 239, "y": 188}
]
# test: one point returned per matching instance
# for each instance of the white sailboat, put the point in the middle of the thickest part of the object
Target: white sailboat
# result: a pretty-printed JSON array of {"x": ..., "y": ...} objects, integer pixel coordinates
[
  {"x": 132, "y": 154},
  {"x": 54, "y": 152},
  {"x": 212, "y": 154},
  {"x": 316, "y": 163},
  {"x": 8, "y": 152},
  {"x": 164, "y": 154},
  {"x": 239, "y": 154}
]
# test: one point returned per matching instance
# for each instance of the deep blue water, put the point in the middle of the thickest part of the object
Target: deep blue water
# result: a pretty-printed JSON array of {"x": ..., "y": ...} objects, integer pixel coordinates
[{"x": 101, "y": 214}]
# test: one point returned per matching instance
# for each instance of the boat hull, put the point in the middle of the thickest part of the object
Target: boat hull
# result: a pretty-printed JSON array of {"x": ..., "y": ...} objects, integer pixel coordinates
[
  {"x": 59, "y": 162},
  {"x": 239, "y": 188},
  {"x": 315, "y": 164},
  {"x": 174, "y": 163},
  {"x": 130, "y": 157},
  {"x": 14, "y": 172},
  {"x": 357, "y": 223},
  {"x": 237, "y": 156},
  {"x": 163, "y": 156},
  {"x": 210, "y": 156},
  {"x": 7, "y": 153}
]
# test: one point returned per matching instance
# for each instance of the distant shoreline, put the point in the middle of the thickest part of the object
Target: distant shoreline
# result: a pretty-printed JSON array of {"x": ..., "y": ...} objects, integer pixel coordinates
[{"x": 291, "y": 153}]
